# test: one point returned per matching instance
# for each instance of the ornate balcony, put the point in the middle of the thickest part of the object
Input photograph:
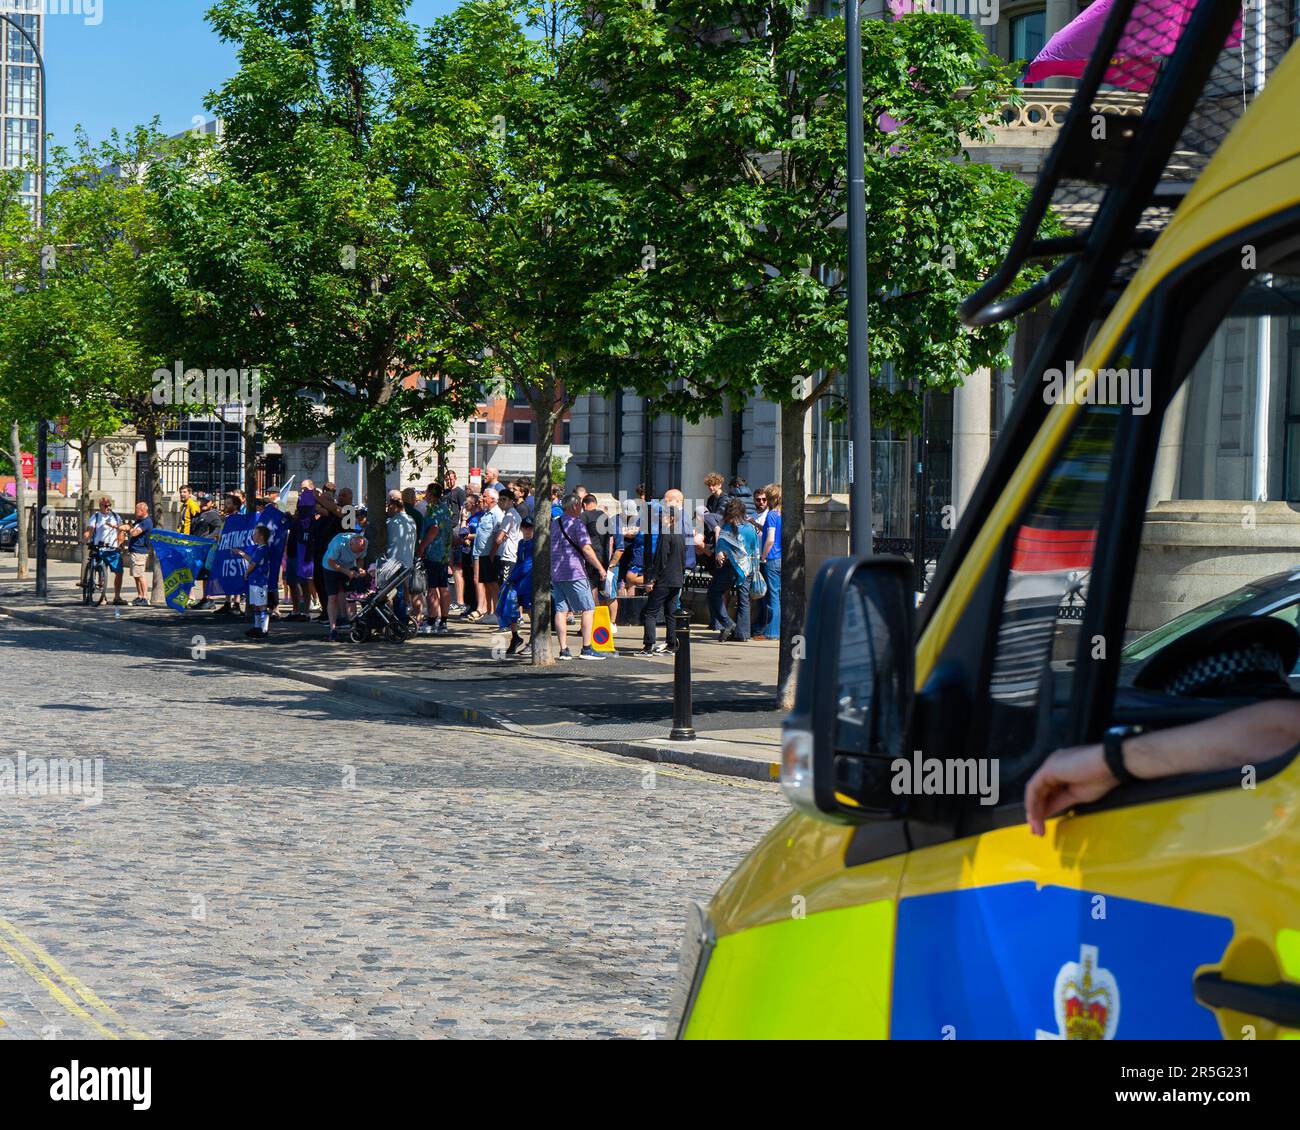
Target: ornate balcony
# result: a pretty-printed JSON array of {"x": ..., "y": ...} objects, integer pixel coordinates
[{"x": 1034, "y": 124}]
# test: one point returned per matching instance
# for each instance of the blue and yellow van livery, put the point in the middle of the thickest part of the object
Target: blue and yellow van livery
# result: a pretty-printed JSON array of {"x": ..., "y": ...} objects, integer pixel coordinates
[{"x": 1166, "y": 913}]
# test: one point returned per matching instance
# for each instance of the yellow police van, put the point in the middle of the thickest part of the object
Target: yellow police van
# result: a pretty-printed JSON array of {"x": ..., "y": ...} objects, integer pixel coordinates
[{"x": 1170, "y": 909}]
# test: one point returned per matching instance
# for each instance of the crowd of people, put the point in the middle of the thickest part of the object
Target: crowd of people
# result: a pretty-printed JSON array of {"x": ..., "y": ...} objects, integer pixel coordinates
[{"x": 468, "y": 554}]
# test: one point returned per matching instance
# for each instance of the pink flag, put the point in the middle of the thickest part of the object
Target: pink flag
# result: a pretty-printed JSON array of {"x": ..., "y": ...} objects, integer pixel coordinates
[{"x": 1150, "y": 35}]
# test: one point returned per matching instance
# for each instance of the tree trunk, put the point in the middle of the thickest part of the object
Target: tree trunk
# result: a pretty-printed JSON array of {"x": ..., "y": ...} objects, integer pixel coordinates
[
  {"x": 547, "y": 418},
  {"x": 83, "y": 507},
  {"x": 20, "y": 497},
  {"x": 794, "y": 593},
  {"x": 250, "y": 458},
  {"x": 377, "y": 518},
  {"x": 153, "y": 487}
]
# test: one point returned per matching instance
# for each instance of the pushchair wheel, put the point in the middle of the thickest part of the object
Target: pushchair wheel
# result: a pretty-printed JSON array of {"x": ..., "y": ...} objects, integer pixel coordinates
[
  {"x": 358, "y": 634},
  {"x": 395, "y": 633}
]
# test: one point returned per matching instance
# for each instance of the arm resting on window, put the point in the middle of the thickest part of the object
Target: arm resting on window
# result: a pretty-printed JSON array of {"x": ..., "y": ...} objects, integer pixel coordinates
[{"x": 1242, "y": 737}]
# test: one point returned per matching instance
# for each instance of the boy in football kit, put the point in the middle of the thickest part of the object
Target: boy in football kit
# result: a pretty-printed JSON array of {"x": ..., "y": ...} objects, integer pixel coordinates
[{"x": 258, "y": 557}]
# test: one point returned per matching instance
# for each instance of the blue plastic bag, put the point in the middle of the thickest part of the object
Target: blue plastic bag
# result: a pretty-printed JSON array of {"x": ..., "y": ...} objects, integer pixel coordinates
[{"x": 508, "y": 607}]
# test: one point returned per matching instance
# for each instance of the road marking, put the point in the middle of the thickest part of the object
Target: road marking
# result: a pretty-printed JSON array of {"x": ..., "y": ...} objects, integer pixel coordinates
[{"x": 23, "y": 950}]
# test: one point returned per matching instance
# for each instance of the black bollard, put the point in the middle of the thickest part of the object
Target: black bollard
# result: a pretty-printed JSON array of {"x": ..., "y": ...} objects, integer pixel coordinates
[{"x": 683, "y": 724}]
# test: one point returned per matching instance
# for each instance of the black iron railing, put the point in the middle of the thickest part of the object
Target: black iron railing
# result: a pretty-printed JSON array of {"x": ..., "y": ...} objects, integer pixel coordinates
[{"x": 62, "y": 527}]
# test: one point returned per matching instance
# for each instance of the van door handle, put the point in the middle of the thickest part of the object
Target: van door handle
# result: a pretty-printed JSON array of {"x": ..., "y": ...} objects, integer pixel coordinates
[{"x": 1279, "y": 1002}]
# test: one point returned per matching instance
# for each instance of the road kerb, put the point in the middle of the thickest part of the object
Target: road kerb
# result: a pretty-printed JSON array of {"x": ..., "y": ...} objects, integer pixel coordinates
[{"x": 688, "y": 756}]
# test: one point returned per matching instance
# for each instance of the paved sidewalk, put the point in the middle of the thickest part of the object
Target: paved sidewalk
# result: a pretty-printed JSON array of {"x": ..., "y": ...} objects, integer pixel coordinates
[{"x": 620, "y": 705}]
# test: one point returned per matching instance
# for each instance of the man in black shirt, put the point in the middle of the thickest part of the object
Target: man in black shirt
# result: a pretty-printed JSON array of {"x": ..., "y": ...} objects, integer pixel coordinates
[
  {"x": 598, "y": 529},
  {"x": 326, "y": 527},
  {"x": 453, "y": 495},
  {"x": 667, "y": 573},
  {"x": 716, "y": 500},
  {"x": 207, "y": 522}
]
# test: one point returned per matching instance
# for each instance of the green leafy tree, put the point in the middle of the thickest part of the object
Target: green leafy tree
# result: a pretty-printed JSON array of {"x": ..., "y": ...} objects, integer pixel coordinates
[
  {"x": 73, "y": 337},
  {"x": 522, "y": 249},
  {"x": 720, "y": 129},
  {"x": 323, "y": 272},
  {"x": 17, "y": 241}
]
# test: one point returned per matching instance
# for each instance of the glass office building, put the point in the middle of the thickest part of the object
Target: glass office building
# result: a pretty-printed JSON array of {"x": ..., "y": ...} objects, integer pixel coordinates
[{"x": 20, "y": 108}]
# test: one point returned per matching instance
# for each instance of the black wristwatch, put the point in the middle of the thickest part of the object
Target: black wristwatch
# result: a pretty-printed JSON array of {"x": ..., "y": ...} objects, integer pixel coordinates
[{"x": 1113, "y": 748}]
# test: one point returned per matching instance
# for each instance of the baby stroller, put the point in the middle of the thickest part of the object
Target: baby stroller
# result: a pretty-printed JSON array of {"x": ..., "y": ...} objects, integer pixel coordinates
[{"x": 371, "y": 614}]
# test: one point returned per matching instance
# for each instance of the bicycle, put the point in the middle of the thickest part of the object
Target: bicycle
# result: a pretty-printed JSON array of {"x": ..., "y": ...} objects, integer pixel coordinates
[{"x": 94, "y": 578}]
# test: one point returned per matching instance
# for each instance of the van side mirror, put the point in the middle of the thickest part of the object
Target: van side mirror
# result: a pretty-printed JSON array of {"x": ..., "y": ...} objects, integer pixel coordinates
[{"x": 853, "y": 708}]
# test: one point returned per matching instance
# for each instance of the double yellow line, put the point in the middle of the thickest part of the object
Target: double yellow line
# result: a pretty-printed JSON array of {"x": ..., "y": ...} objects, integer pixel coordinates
[{"x": 69, "y": 991}]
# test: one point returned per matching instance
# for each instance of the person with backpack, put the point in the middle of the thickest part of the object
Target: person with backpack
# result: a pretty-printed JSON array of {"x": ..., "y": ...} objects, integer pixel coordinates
[
  {"x": 104, "y": 532},
  {"x": 740, "y": 490},
  {"x": 571, "y": 555},
  {"x": 736, "y": 557}
]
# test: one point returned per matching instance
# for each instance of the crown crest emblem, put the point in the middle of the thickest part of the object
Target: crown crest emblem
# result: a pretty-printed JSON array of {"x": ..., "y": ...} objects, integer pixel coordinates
[{"x": 1087, "y": 1000}]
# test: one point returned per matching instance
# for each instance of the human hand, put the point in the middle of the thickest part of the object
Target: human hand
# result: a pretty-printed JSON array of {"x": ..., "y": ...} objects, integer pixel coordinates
[{"x": 1069, "y": 777}]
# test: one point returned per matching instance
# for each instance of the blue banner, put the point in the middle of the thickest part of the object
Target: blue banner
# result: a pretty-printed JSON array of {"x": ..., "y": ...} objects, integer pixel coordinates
[
  {"x": 230, "y": 573},
  {"x": 180, "y": 557}
]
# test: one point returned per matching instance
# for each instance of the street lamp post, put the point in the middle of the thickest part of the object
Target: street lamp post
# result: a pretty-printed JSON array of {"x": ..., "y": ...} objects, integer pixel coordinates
[
  {"x": 43, "y": 427},
  {"x": 859, "y": 373}
]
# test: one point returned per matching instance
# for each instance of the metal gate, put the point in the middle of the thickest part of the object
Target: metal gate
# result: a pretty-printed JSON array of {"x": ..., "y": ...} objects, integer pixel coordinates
[{"x": 174, "y": 470}]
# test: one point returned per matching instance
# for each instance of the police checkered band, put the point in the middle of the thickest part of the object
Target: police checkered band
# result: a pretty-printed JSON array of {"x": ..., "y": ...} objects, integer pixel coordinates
[{"x": 1226, "y": 669}]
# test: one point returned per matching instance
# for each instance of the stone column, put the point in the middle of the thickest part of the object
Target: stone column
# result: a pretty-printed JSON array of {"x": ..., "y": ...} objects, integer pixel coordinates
[
  {"x": 699, "y": 457},
  {"x": 1169, "y": 454},
  {"x": 1060, "y": 13},
  {"x": 970, "y": 435}
]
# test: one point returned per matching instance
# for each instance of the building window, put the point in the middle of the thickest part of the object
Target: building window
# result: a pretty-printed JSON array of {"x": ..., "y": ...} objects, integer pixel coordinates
[
  {"x": 18, "y": 51},
  {"x": 1028, "y": 35},
  {"x": 566, "y": 433},
  {"x": 21, "y": 92},
  {"x": 521, "y": 432},
  {"x": 20, "y": 141}
]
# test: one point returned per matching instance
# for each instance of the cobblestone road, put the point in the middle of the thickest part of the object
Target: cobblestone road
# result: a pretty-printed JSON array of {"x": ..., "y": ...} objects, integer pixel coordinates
[{"x": 268, "y": 862}]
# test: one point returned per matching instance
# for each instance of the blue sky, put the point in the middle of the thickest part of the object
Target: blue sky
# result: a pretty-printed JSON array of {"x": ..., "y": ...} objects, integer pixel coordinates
[{"x": 145, "y": 58}]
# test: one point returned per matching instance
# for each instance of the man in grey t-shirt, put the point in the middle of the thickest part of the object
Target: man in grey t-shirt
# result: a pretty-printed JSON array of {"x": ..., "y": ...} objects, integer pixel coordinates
[{"x": 401, "y": 543}]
